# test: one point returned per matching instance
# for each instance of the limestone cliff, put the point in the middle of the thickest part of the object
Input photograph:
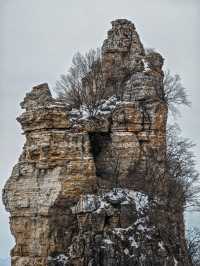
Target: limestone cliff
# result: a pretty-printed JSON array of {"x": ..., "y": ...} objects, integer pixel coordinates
[{"x": 67, "y": 204}]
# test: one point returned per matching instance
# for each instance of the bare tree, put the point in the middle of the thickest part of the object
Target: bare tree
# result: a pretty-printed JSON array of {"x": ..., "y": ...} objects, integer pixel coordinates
[
  {"x": 176, "y": 169},
  {"x": 180, "y": 166},
  {"x": 83, "y": 86},
  {"x": 193, "y": 245},
  {"x": 174, "y": 92}
]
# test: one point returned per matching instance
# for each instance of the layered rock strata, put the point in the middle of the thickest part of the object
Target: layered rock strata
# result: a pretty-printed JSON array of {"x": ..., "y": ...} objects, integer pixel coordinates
[{"x": 94, "y": 191}]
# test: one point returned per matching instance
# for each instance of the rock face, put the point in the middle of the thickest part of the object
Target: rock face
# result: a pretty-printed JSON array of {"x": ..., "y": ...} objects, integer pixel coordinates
[{"x": 94, "y": 192}]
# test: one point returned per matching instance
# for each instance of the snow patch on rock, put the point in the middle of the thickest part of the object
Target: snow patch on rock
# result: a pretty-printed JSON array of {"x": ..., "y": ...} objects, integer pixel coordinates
[{"x": 61, "y": 258}]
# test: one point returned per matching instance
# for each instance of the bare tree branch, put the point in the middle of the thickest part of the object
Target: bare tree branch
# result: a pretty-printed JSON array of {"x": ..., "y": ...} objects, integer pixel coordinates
[
  {"x": 180, "y": 165},
  {"x": 174, "y": 92},
  {"x": 193, "y": 245},
  {"x": 83, "y": 86}
]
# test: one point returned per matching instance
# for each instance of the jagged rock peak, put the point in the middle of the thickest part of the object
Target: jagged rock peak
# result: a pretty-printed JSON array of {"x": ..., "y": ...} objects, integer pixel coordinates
[
  {"x": 122, "y": 38},
  {"x": 122, "y": 21},
  {"x": 38, "y": 96}
]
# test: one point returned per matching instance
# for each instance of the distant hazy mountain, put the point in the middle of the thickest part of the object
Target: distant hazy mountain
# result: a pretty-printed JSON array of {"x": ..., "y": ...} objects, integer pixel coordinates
[{"x": 5, "y": 262}]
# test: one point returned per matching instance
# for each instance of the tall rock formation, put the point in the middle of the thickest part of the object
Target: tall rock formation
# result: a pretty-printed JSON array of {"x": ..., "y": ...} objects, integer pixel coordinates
[{"x": 95, "y": 191}]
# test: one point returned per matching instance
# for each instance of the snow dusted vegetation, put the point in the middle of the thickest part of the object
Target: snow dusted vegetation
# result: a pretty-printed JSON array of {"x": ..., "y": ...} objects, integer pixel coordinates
[
  {"x": 90, "y": 202},
  {"x": 140, "y": 228},
  {"x": 105, "y": 107}
]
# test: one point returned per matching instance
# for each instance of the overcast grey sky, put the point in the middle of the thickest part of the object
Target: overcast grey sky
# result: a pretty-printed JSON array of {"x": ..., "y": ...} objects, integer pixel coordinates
[{"x": 39, "y": 38}]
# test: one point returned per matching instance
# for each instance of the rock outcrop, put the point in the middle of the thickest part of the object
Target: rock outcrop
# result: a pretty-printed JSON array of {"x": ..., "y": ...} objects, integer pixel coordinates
[{"x": 94, "y": 191}]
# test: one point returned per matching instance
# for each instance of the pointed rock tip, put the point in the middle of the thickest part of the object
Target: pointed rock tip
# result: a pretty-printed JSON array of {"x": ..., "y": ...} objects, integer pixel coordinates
[
  {"x": 40, "y": 89},
  {"x": 39, "y": 94},
  {"x": 42, "y": 86},
  {"x": 122, "y": 21}
]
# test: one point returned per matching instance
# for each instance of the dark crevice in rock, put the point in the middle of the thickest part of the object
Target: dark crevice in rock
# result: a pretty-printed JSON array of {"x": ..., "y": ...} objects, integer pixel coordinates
[{"x": 98, "y": 140}]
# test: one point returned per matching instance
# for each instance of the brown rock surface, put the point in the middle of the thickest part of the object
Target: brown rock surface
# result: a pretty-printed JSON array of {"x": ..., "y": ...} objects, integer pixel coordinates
[{"x": 92, "y": 192}]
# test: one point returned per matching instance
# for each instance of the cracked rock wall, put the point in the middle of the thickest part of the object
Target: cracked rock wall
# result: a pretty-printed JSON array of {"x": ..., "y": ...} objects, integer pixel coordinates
[{"x": 93, "y": 193}]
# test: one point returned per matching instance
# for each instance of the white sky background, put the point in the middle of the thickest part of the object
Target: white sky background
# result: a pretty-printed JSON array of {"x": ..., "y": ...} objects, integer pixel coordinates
[{"x": 39, "y": 38}]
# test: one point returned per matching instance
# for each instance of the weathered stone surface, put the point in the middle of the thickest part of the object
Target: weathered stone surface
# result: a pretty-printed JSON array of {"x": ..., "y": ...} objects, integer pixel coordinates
[
  {"x": 42, "y": 111},
  {"x": 93, "y": 191}
]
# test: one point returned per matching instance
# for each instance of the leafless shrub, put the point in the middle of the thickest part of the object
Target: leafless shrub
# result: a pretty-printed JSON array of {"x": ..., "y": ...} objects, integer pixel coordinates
[
  {"x": 174, "y": 92},
  {"x": 193, "y": 246},
  {"x": 180, "y": 166},
  {"x": 83, "y": 86},
  {"x": 177, "y": 168}
]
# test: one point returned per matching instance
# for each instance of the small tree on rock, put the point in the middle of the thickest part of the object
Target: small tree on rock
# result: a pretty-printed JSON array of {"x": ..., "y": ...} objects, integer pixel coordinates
[
  {"x": 83, "y": 87},
  {"x": 181, "y": 168},
  {"x": 174, "y": 92}
]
